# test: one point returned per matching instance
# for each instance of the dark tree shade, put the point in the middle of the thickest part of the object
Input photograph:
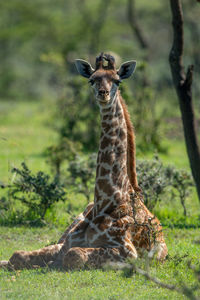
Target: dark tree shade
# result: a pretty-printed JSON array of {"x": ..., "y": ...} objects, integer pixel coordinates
[{"x": 183, "y": 85}]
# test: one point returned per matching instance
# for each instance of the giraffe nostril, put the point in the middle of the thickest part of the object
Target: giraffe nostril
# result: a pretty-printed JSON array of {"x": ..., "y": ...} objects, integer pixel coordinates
[{"x": 103, "y": 92}]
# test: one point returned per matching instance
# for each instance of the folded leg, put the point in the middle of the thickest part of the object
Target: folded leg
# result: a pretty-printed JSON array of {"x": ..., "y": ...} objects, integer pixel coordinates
[
  {"x": 51, "y": 255},
  {"x": 80, "y": 217},
  {"x": 77, "y": 258},
  {"x": 32, "y": 259}
]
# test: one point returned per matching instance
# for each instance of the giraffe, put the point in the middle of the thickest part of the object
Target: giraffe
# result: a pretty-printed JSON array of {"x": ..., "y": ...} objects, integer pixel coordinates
[{"x": 117, "y": 225}]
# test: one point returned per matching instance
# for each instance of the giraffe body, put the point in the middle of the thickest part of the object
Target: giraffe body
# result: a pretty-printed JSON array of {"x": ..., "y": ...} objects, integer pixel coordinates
[{"x": 118, "y": 224}]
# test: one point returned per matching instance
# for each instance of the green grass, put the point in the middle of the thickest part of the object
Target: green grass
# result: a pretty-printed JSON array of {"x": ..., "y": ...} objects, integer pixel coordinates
[
  {"x": 25, "y": 131},
  {"x": 24, "y": 135},
  {"x": 93, "y": 284}
]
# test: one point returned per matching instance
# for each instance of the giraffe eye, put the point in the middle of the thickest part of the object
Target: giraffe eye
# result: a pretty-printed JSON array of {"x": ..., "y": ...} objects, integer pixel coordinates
[
  {"x": 91, "y": 81},
  {"x": 117, "y": 81}
]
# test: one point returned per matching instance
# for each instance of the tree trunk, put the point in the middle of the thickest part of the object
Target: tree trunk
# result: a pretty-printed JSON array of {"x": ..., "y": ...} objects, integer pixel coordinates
[{"x": 183, "y": 85}]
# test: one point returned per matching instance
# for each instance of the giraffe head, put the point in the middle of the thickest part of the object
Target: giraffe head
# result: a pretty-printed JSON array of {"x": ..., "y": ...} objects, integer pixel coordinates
[{"x": 105, "y": 78}]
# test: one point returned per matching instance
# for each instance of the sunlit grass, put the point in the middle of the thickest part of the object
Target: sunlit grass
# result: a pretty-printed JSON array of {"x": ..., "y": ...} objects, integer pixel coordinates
[
  {"x": 93, "y": 284},
  {"x": 24, "y": 135}
]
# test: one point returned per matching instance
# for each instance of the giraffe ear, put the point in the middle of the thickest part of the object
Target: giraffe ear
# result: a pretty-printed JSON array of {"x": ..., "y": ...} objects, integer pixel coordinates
[
  {"x": 84, "y": 68},
  {"x": 127, "y": 69}
]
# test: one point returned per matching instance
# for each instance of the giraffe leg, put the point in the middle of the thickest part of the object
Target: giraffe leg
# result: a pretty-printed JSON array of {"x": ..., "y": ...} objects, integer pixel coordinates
[
  {"x": 4, "y": 264},
  {"x": 49, "y": 255},
  {"x": 75, "y": 238},
  {"x": 161, "y": 251},
  {"x": 80, "y": 217},
  {"x": 77, "y": 258},
  {"x": 33, "y": 259}
]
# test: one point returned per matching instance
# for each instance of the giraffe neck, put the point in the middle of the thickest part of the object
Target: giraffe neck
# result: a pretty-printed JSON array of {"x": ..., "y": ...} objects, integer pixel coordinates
[{"x": 112, "y": 183}]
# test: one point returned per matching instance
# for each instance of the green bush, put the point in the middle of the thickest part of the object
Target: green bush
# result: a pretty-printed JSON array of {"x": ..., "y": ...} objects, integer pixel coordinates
[
  {"x": 159, "y": 182},
  {"x": 82, "y": 175},
  {"x": 37, "y": 192},
  {"x": 56, "y": 155}
]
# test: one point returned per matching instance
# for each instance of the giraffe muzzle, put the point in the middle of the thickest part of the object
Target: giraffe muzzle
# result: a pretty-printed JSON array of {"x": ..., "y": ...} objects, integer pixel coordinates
[{"x": 103, "y": 97}]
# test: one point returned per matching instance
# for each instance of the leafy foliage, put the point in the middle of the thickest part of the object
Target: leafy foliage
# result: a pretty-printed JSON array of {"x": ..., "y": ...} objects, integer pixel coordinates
[
  {"x": 159, "y": 182},
  {"x": 82, "y": 174},
  {"x": 181, "y": 182},
  {"x": 56, "y": 155},
  {"x": 37, "y": 192},
  {"x": 59, "y": 29}
]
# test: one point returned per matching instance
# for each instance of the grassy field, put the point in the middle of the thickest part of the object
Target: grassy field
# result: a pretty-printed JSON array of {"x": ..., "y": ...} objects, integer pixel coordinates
[
  {"x": 24, "y": 138},
  {"x": 95, "y": 284},
  {"x": 24, "y": 135}
]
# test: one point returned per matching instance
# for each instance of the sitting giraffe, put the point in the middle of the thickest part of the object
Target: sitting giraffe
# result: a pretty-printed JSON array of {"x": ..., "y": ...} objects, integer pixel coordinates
[{"x": 117, "y": 225}]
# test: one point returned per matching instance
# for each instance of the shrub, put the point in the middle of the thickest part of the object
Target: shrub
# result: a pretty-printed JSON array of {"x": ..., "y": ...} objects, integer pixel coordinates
[
  {"x": 181, "y": 182},
  {"x": 56, "y": 155},
  {"x": 82, "y": 174},
  {"x": 37, "y": 192},
  {"x": 159, "y": 182},
  {"x": 151, "y": 179}
]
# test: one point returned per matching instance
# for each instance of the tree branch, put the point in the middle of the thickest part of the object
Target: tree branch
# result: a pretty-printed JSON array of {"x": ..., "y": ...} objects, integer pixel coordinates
[
  {"x": 134, "y": 25},
  {"x": 183, "y": 290}
]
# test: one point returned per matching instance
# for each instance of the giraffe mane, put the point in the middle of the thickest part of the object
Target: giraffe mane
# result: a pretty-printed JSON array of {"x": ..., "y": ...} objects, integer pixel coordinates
[{"x": 131, "y": 145}]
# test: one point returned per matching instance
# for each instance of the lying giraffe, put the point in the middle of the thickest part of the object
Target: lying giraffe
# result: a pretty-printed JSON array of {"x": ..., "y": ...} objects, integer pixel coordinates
[{"x": 117, "y": 225}]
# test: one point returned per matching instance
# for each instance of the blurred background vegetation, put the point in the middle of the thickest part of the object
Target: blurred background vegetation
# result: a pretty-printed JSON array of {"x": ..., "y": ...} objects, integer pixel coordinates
[
  {"x": 40, "y": 40},
  {"x": 47, "y": 112}
]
